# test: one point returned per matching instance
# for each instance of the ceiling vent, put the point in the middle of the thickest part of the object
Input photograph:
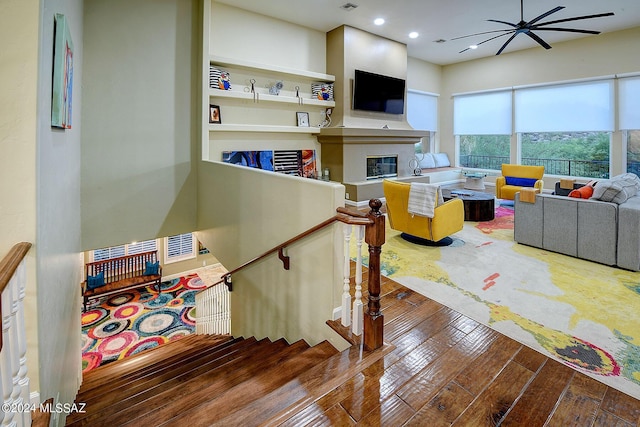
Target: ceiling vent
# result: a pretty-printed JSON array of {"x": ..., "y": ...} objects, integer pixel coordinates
[{"x": 348, "y": 6}]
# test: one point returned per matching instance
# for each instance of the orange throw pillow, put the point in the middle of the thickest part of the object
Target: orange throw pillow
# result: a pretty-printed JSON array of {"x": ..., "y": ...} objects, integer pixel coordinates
[{"x": 582, "y": 192}]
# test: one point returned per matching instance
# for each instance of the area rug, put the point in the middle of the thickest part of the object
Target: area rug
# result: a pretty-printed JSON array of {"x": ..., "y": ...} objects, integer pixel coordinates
[
  {"x": 583, "y": 314},
  {"x": 126, "y": 323}
]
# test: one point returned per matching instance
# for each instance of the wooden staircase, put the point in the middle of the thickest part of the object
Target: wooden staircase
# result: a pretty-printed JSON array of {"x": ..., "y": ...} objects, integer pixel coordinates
[{"x": 204, "y": 380}]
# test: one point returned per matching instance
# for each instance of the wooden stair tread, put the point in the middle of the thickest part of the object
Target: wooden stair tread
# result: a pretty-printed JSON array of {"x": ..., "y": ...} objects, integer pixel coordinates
[
  {"x": 158, "y": 371},
  {"x": 265, "y": 382},
  {"x": 155, "y": 405},
  {"x": 174, "y": 349},
  {"x": 41, "y": 419},
  {"x": 126, "y": 393},
  {"x": 229, "y": 379}
]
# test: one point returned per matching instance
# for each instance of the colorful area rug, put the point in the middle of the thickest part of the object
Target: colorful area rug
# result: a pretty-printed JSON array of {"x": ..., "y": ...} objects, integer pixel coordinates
[
  {"x": 127, "y": 323},
  {"x": 583, "y": 314}
]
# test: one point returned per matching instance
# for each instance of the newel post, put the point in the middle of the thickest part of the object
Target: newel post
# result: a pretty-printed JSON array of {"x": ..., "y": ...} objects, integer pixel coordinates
[{"x": 373, "y": 318}]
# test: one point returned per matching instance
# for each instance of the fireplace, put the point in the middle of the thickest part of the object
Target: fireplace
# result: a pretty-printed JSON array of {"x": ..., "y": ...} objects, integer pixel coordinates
[{"x": 382, "y": 167}]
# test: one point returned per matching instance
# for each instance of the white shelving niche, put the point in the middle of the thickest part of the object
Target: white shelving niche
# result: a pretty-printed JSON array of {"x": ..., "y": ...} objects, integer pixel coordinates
[{"x": 242, "y": 110}]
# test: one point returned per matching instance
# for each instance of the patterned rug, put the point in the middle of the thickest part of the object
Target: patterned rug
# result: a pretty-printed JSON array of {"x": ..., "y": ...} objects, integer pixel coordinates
[
  {"x": 583, "y": 314},
  {"x": 127, "y": 323}
]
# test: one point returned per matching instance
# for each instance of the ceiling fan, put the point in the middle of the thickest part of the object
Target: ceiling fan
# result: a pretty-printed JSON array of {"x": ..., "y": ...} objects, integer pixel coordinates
[{"x": 528, "y": 28}]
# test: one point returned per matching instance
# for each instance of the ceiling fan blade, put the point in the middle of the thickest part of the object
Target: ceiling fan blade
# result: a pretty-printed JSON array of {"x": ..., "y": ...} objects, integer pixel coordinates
[
  {"x": 544, "y": 15},
  {"x": 506, "y": 43},
  {"x": 568, "y": 30},
  {"x": 577, "y": 18},
  {"x": 541, "y": 42},
  {"x": 503, "y": 22},
  {"x": 478, "y": 34},
  {"x": 488, "y": 40}
]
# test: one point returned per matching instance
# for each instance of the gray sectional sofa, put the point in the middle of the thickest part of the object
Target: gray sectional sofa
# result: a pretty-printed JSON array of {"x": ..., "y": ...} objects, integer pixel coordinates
[{"x": 600, "y": 231}]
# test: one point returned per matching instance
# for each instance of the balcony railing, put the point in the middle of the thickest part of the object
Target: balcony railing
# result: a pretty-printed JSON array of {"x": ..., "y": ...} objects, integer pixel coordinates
[{"x": 566, "y": 167}]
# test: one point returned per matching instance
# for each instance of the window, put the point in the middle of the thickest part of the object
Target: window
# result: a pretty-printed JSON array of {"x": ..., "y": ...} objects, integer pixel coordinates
[
  {"x": 122, "y": 250},
  {"x": 566, "y": 128},
  {"x": 482, "y": 125},
  {"x": 422, "y": 113},
  {"x": 179, "y": 247},
  {"x": 633, "y": 151}
]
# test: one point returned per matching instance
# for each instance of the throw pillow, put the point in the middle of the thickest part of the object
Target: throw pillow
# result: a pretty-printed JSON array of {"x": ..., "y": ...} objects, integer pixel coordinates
[
  {"x": 520, "y": 182},
  {"x": 94, "y": 282},
  {"x": 427, "y": 161},
  {"x": 582, "y": 192},
  {"x": 616, "y": 191},
  {"x": 442, "y": 160},
  {"x": 151, "y": 268}
]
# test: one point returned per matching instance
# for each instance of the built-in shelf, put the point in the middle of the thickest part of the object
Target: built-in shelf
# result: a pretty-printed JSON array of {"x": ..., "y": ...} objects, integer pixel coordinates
[
  {"x": 261, "y": 128},
  {"x": 262, "y": 97},
  {"x": 229, "y": 62}
]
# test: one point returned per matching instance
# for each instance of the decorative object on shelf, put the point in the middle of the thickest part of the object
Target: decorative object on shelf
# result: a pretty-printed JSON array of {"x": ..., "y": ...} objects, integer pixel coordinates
[
  {"x": 326, "y": 176},
  {"x": 219, "y": 79},
  {"x": 414, "y": 165},
  {"x": 327, "y": 118},
  {"x": 275, "y": 88},
  {"x": 303, "y": 119},
  {"x": 322, "y": 91},
  {"x": 253, "y": 85},
  {"x": 62, "y": 74},
  {"x": 214, "y": 114}
]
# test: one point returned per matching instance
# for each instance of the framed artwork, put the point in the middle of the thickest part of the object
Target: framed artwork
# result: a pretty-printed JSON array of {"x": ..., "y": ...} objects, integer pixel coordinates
[
  {"x": 303, "y": 119},
  {"x": 214, "y": 114},
  {"x": 62, "y": 74}
]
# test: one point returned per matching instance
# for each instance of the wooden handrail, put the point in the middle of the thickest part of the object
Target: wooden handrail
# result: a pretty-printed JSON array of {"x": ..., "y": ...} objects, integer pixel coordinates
[
  {"x": 8, "y": 267},
  {"x": 374, "y": 222},
  {"x": 10, "y": 263},
  {"x": 346, "y": 216}
]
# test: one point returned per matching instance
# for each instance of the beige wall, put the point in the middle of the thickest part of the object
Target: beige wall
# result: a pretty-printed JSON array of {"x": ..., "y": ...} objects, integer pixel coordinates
[
  {"x": 251, "y": 213},
  {"x": 605, "y": 54},
  {"x": 140, "y": 120},
  {"x": 19, "y": 20},
  {"x": 349, "y": 49}
]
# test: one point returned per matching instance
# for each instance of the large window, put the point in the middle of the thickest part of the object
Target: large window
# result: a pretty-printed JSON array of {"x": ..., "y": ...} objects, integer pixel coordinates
[
  {"x": 566, "y": 128},
  {"x": 629, "y": 116},
  {"x": 482, "y": 125},
  {"x": 179, "y": 247},
  {"x": 422, "y": 113},
  {"x": 633, "y": 151},
  {"x": 584, "y": 154},
  {"x": 122, "y": 250}
]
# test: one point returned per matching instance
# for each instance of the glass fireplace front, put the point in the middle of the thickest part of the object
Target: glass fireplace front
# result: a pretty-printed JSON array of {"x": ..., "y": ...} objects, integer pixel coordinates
[{"x": 382, "y": 167}]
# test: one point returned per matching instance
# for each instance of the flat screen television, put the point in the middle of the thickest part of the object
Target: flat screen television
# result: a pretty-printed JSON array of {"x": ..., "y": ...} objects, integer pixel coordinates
[{"x": 375, "y": 92}]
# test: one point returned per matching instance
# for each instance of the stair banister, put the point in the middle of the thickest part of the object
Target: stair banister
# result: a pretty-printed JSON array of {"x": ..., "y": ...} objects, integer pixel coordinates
[
  {"x": 374, "y": 223},
  {"x": 14, "y": 381}
]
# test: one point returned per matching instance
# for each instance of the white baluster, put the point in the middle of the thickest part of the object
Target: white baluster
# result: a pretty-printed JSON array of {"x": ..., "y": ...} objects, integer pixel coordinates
[
  {"x": 358, "y": 310},
  {"x": 346, "y": 295},
  {"x": 15, "y": 345},
  {"x": 6, "y": 370}
]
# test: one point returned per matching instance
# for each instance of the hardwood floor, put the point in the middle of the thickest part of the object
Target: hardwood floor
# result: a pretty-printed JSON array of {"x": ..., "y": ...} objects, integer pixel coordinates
[{"x": 447, "y": 369}]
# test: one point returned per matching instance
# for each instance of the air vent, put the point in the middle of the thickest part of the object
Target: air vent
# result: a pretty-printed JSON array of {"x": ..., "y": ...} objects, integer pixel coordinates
[
  {"x": 439, "y": 41},
  {"x": 348, "y": 6}
]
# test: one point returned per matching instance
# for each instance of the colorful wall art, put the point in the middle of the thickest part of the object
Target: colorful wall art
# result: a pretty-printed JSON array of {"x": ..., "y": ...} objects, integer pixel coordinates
[{"x": 62, "y": 75}]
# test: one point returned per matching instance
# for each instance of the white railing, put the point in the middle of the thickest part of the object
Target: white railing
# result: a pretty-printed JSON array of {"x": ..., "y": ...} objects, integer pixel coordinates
[
  {"x": 13, "y": 360},
  {"x": 213, "y": 310},
  {"x": 353, "y": 313}
]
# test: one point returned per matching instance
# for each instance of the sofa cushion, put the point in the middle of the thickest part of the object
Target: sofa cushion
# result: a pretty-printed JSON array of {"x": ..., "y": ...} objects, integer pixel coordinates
[
  {"x": 427, "y": 161},
  {"x": 584, "y": 192},
  {"x": 616, "y": 190},
  {"x": 151, "y": 268},
  {"x": 520, "y": 182},
  {"x": 441, "y": 160}
]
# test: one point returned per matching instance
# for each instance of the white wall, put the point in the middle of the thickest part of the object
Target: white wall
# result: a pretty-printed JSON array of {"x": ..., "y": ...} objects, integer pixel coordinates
[
  {"x": 140, "y": 120},
  {"x": 604, "y": 54},
  {"x": 59, "y": 260},
  {"x": 255, "y": 211},
  {"x": 19, "y": 20}
]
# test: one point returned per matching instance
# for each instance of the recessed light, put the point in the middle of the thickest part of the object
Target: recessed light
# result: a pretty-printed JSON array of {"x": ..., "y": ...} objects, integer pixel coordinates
[
  {"x": 473, "y": 46},
  {"x": 379, "y": 21},
  {"x": 413, "y": 35}
]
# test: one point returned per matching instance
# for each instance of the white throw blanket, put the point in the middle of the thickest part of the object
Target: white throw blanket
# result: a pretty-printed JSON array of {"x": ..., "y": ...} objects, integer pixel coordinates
[{"x": 423, "y": 199}]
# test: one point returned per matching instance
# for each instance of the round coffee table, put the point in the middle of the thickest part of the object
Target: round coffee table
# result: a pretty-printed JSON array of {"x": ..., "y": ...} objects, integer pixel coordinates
[{"x": 478, "y": 206}]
